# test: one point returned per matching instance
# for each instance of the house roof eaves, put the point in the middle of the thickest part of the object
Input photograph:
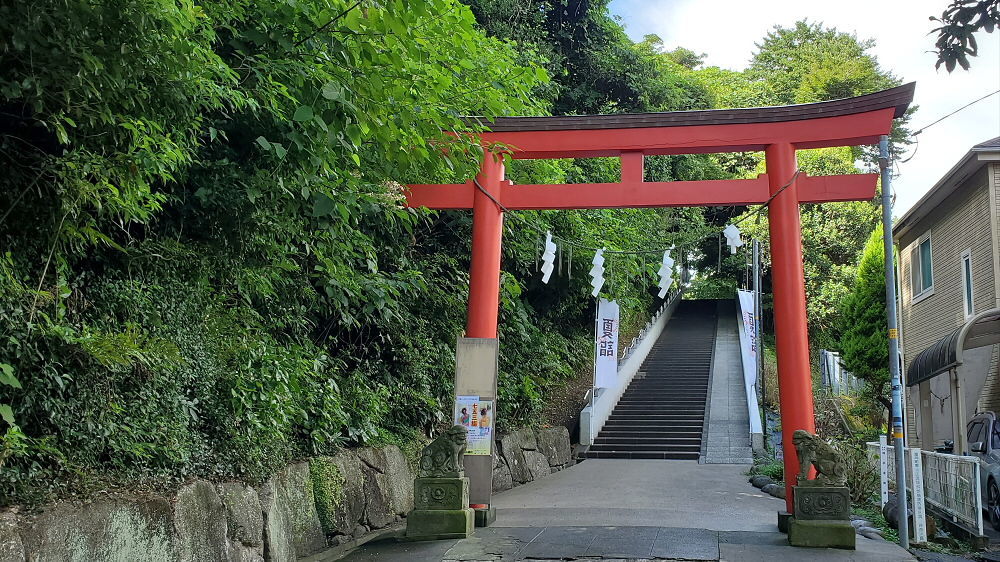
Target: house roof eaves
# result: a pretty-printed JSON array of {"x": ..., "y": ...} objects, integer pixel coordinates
[{"x": 945, "y": 187}]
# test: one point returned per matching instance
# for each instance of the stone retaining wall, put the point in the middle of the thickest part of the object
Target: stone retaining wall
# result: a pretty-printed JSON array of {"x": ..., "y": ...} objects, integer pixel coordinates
[
  {"x": 304, "y": 509},
  {"x": 300, "y": 511},
  {"x": 529, "y": 454}
]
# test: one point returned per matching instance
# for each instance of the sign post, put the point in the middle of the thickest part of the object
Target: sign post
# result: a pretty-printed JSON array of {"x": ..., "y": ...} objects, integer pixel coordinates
[{"x": 476, "y": 392}]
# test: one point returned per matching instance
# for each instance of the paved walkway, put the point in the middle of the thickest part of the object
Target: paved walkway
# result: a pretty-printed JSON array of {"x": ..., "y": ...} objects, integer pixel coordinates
[
  {"x": 728, "y": 436},
  {"x": 611, "y": 509},
  {"x": 642, "y": 492}
]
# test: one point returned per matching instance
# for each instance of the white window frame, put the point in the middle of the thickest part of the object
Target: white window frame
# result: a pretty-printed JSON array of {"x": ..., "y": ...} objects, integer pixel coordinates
[
  {"x": 968, "y": 307},
  {"x": 917, "y": 269}
]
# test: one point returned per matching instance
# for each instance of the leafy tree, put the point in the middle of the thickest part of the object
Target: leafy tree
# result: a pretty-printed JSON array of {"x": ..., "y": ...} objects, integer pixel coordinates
[
  {"x": 207, "y": 269},
  {"x": 810, "y": 63},
  {"x": 960, "y": 21},
  {"x": 864, "y": 341}
]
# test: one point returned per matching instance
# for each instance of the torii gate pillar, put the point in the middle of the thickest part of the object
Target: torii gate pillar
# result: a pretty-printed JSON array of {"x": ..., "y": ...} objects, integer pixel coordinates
[
  {"x": 788, "y": 287},
  {"x": 487, "y": 233}
]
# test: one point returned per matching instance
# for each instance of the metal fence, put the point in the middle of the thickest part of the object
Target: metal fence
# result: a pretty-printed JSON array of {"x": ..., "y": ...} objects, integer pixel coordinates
[
  {"x": 952, "y": 485},
  {"x": 835, "y": 377},
  {"x": 948, "y": 483}
]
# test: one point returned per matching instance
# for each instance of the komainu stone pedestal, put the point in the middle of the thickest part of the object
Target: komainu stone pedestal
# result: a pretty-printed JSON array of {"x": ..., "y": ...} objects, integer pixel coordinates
[
  {"x": 441, "y": 509},
  {"x": 822, "y": 518}
]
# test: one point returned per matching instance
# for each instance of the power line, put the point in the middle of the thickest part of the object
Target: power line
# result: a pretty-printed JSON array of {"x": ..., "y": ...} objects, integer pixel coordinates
[
  {"x": 925, "y": 127},
  {"x": 571, "y": 243},
  {"x": 566, "y": 241},
  {"x": 764, "y": 205}
]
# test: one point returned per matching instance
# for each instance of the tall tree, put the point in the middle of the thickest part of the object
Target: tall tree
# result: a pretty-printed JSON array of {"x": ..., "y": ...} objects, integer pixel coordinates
[{"x": 864, "y": 341}]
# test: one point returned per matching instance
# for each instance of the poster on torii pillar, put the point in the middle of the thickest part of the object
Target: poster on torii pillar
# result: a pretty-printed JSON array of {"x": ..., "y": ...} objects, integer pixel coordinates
[{"x": 606, "y": 336}]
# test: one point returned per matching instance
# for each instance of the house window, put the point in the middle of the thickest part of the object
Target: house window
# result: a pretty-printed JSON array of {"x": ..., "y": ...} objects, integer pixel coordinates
[
  {"x": 921, "y": 269},
  {"x": 967, "y": 300}
]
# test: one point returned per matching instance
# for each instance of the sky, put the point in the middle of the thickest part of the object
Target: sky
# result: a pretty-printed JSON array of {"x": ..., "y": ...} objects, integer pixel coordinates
[{"x": 726, "y": 30}]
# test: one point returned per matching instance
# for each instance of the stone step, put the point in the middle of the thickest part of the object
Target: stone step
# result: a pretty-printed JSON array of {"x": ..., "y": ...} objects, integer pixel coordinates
[
  {"x": 696, "y": 448},
  {"x": 680, "y": 424},
  {"x": 639, "y": 437},
  {"x": 687, "y": 427},
  {"x": 657, "y": 414},
  {"x": 661, "y": 415},
  {"x": 664, "y": 419},
  {"x": 659, "y": 455},
  {"x": 665, "y": 398},
  {"x": 607, "y": 440}
]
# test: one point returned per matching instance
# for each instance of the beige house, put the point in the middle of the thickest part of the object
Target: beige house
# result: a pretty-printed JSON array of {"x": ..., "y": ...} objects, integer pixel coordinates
[{"x": 949, "y": 276}]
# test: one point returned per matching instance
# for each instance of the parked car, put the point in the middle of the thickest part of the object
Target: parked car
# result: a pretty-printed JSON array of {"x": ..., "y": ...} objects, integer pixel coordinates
[{"x": 983, "y": 433}]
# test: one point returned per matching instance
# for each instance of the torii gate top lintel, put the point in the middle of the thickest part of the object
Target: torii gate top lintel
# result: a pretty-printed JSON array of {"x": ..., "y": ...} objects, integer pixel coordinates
[
  {"x": 778, "y": 131},
  {"x": 845, "y": 122}
]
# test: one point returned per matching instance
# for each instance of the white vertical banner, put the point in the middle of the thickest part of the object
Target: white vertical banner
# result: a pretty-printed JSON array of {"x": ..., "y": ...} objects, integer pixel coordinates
[
  {"x": 750, "y": 328},
  {"x": 748, "y": 350},
  {"x": 606, "y": 338}
]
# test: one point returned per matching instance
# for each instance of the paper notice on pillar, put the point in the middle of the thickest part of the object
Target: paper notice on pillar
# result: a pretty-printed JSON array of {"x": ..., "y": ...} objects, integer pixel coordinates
[
  {"x": 477, "y": 417},
  {"x": 606, "y": 368}
]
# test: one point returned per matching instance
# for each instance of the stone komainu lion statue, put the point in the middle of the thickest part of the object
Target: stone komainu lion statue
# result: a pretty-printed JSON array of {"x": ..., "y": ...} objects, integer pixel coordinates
[
  {"x": 443, "y": 457},
  {"x": 814, "y": 451}
]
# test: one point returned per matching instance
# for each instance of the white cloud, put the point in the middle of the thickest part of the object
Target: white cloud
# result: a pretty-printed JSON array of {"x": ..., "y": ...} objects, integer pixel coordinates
[{"x": 726, "y": 31}]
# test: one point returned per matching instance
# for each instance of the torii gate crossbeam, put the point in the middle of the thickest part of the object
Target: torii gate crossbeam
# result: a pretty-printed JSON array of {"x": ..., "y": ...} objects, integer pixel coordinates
[{"x": 778, "y": 131}]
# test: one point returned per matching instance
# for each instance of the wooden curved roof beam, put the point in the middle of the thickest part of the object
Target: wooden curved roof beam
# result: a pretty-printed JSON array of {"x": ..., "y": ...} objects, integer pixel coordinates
[{"x": 846, "y": 122}]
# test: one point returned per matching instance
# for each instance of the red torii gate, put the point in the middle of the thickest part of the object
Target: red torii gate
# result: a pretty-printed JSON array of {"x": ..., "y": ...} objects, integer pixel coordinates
[{"x": 778, "y": 131}]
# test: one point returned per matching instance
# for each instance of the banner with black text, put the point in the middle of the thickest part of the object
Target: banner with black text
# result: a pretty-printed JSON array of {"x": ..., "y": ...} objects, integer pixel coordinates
[{"x": 606, "y": 366}]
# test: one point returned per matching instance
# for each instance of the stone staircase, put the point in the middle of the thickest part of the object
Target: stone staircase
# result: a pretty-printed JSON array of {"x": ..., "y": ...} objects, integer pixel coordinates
[{"x": 662, "y": 413}]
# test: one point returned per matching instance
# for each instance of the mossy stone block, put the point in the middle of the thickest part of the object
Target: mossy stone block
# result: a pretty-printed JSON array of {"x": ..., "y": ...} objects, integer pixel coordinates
[
  {"x": 441, "y": 493},
  {"x": 831, "y": 503},
  {"x": 822, "y": 534},
  {"x": 435, "y": 524}
]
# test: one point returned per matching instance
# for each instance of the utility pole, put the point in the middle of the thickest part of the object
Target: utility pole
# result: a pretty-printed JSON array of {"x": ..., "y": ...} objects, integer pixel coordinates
[{"x": 890, "y": 306}]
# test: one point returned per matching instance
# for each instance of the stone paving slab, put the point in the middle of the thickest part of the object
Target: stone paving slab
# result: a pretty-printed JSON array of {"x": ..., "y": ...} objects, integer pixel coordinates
[
  {"x": 606, "y": 543},
  {"x": 727, "y": 437}
]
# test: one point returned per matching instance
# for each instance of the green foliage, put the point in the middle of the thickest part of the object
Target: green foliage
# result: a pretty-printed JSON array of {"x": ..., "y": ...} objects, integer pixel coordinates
[
  {"x": 862, "y": 481},
  {"x": 864, "y": 340},
  {"x": 208, "y": 269},
  {"x": 768, "y": 466},
  {"x": 960, "y": 21},
  {"x": 809, "y": 63},
  {"x": 328, "y": 490}
]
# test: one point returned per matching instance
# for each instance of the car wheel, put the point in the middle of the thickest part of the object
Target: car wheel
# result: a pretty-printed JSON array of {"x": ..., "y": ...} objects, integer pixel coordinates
[{"x": 993, "y": 505}]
